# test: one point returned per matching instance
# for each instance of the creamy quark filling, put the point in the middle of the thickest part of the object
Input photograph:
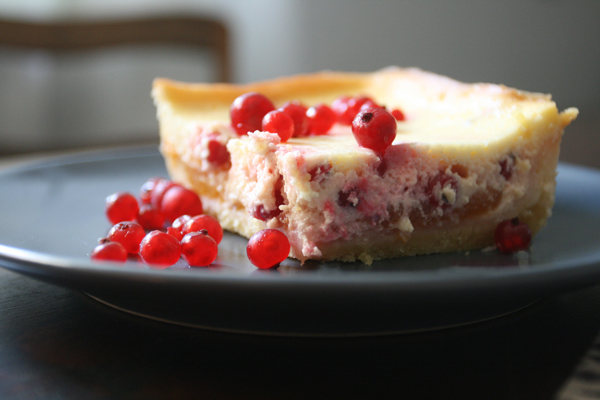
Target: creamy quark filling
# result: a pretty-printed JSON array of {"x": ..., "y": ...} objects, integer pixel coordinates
[{"x": 322, "y": 192}]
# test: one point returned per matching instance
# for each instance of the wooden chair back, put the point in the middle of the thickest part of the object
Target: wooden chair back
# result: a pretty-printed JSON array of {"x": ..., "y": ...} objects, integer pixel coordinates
[{"x": 45, "y": 106}]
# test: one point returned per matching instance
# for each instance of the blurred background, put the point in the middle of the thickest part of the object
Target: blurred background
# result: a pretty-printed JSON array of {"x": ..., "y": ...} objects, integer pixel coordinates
[{"x": 55, "y": 100}]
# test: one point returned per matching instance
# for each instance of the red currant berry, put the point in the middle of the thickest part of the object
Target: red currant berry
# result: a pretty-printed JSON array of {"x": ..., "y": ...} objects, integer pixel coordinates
[
  {"x": 340, "y": 108},
  {"x": 198, "y": 249},
  {"x": 121, "y": 206},
  {"x": 512, "y": 235},
  {"x": 355, "y": 104},
  {"x": 150, "y": 218},
  {"x": 180, "y": 222},
  {"x": 267, "y": 248},
  {"x": 159, "y": 190},
  {"x": 217, "y": 153},
  {"x": 375, "y": 129},
  {"x": 368, "y": 103},
  {"x": 298, "y": 113},
  {"x": 320, "y": 119},
  {"x": 346, "y": 108},
  {"x": 278, "y": 122},
  {"x": 399, "y": 115},
  {"x": 109, "y": 251},
  {"x": 261, "y": 213},
  {"x": 204, "y": 222},
  {"x": 129, "y": 234},
  {"x": 147, "y": 188},
  {"x": 175, "y": 233},
  {"x": 160, "y": 248},
  {"x": 247, "y": 112},
  {"x": 179, "y": 201}
]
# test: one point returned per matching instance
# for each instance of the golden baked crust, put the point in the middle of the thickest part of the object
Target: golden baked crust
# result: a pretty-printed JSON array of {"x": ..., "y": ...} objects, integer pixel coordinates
[{"x": 466, "y": 133}]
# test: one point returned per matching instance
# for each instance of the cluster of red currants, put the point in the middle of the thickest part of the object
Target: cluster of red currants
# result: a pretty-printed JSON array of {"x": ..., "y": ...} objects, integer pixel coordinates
[
  {"x": 373, "y": 126},
  {"x": 168, "y": 224}
]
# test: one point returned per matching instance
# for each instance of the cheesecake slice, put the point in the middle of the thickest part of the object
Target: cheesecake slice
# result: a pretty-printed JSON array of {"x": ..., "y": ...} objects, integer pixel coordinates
[{"x": 465, "y": 158}]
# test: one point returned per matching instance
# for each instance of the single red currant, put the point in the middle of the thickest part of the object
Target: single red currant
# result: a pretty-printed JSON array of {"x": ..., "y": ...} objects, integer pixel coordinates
[
  {"x": 198, "y": 249},
  {"x": 340, "y": 108},
  {"x": 261, "y": 212},
  {"x": 217, "y": 153},
  {"x": 129, "y": 234},
  {"x": 346, "y": 108},
  {"x": 268, "y": 248},
  {"x": 150, "y": 218},
  {"x": 247, "y": 112},
  {"x": 355, "y": 104},
  {"x": 298, "y": 113},
  {"x": 121, "y": 206},
  {"x": 512, "y": 235},
  {"x": 320, "y": 119},
  {"x": 179, "y": 222},
  {"x": 278, "y": 122},
  {"x": 175, "y": 233},
  {"x": 204, "y": 222},
  {"x": 178, "y": 201},
  {"x": 160, "y": 249},
  {"x": 109, "y": 251},
  {"x": 159, "y": 190},
  {"x": 368, "y": 103},
  {"x": 375, "y": 129},
  {"x": 399, "y": 115},
  {"x": 147, "y": 188}
]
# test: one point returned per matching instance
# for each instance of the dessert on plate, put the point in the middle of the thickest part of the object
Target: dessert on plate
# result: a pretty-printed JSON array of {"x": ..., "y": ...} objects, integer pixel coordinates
[{"x": 463, "y": 158}]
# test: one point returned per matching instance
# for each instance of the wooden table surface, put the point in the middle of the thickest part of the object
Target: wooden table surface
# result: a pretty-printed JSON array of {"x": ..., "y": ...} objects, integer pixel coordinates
[{"x": 56, "y": 343}]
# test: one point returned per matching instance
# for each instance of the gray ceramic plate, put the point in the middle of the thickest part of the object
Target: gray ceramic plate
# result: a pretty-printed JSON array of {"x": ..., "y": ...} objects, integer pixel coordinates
[{"x": 52, "y": 215}]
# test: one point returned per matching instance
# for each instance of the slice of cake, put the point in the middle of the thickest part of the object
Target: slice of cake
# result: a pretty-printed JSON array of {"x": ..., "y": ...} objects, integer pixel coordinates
[{"x": 465, "y": 157}]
